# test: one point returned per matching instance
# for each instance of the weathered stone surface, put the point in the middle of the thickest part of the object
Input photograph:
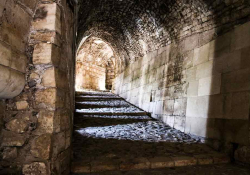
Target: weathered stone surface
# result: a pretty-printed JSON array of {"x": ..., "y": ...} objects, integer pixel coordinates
[
  {"x": 41, "y": 146},
  {"x": 161, "y": 162},
  {"x": 45, "y": 53},
  {"x": 242, "y": 154},
  {"x": 36, "y": 168},
  {"x": 46, "y": 98},
  {"x": 49, "y": 79},
  {"x": 17, "y": 125},
  {"x": 9, "y": 153},
  {"x": 12, "y": 139},
  {"x": 48, "y": 17},
  {"x": 22, "y": 105}
]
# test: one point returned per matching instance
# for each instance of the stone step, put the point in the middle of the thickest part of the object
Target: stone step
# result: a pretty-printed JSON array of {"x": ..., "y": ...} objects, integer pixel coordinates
[
  {"x": 87, "y": 106},
  {"x": 112, "y": 113},
  {"x": 83, "y": 99},
  {"x": 142, "y": 163}
]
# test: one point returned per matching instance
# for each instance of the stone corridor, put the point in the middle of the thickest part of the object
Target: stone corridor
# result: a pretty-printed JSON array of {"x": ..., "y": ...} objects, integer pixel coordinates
[{"x": 112, "y": 135}]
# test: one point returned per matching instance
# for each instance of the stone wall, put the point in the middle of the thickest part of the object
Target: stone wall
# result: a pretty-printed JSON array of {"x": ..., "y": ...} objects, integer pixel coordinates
[
  {"x": 36, "y": 136},
  {"x": 90, "y": 76},
  {"x": 110, "y": 75},
  {"x": 198, "y": 86}
]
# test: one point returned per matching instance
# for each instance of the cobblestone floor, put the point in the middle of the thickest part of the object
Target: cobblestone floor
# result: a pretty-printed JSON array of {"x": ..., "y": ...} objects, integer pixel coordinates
[{"x": 115, "y": 139}]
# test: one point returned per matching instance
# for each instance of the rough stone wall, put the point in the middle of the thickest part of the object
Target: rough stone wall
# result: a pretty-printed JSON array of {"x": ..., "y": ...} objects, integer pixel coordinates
[
  {"x": 90, "y": 76},
  {"x": 199, "y": 83},
  {"x": 110, "y": 75},
  {"x": 15, "y": 22},
  {"x": 36, "y": 136}
]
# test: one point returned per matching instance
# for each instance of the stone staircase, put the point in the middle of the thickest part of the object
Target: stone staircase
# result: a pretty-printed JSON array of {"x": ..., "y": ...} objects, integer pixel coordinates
[{"x": 110, "y": 134}]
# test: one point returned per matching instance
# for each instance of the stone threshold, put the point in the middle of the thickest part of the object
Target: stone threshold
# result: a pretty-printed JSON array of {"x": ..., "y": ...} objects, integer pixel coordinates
[{"x": 147, "y": 163}]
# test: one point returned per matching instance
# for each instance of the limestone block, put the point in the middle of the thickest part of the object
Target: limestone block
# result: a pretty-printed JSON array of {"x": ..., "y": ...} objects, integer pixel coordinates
[
  {"x": 158, "y": 108},
  {"x": 48, "y": 37},
  {"x": 49, "y": 78},
  {"x": 192, "y": 90},
  {"x": 22, "y": 105},
  {"x": 17, "y": 125},
  {"x": 37, "y": 168},
  {"x": 46, "y": 122},
  {"x": 191, "y": 74},
  {"x": 29, "y": 3},
  {"x": 200, "y": 126},
  {"x": 179, "y": 123},
  {"x": 34, "y": 76},
  {"x": 11, "y": 82},
  {"x": 12, "y": 139},
  {"x": 16, "y": 25},
  {"x": 41, "y": 146},
  {"x": 161, "y": 162},
  {"x": 245, "y": 60},
  {"x": 236, "y": 81},
  {"x": 180, "y": 106},
  {"x": 205, "y": 106},
  {"x": 237, "y": 106},
  {"x": 5, "y": 55},
  {"x": 228, "y": 62},
  {"x": 9, "y": 153},
  {"x": 169, "y": 107},
  {"x": 46, "y": 98},
  {"x": 2, "y": 7},
  {"x": 220, "y": 46},
  {"x": 59, "y": 143},
  {"x": 46, "y": 54},
  {"x": 201, "y": 54},
  {"x": 242, "y": 154},
  {"x": 241, "y": 36},
  {"x": 210, "y": 85},
  {"x": 205, "y": 70},
  {"x": 19, "y": 62},
  {"x": 48, "y": 16}
]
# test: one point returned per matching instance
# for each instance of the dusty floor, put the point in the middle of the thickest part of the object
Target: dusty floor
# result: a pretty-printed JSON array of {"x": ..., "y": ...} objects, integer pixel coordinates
[{"x": 117, "y": 137}]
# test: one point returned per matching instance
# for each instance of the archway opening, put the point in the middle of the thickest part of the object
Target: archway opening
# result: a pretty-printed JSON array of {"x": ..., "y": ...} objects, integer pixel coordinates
[{"x": 95, "y": 65}]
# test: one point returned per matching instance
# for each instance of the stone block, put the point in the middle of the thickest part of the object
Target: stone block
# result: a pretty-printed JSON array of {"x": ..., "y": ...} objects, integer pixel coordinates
[
  {"x": 46, "y": 54},
  {"x": 41, "y": 146},
  {"x": 19, "y": 62},
  {"x": 210, "y": 85},
  {"x": 45, "y": 37},
  {"x": 34, "y": 76},
  {"x": 204, "y": 159},
  {"x": 49, "y": 78},
  {"x": 241, "y": 36},
  {"x": 184, "y": 161},
  {"x": 161, "y": 162},
  {"x": 180, "y": 107},
  {"x": 135, "y": 164},
  {"x": 46, "y": 122},
  {"x": 242, "y": 154},
  {"x": 200, "y": 126},
  {"x": 236, "y": 81},
  {"x": 99, "y": 166},
  {"x": 38, "y": 168},
  {"x": 17, "y": 125},
  {"x": 179, "y": 123},
  {"x": 11, "y": 82},
  {"x": 46, "y": 98},
  {"x": 168, "y": 107},
  {"x": 237, "y": 105},
  {"x": 12, "y": 139},
  {"x": 48, "y": 17},
  {"x": 22, "y": 105},
  {"x": 205, "y": 70},
  {"x": 220, "y": 46},
  {"x": 158, "y": 108},
  {"x": 191, "y": 74},
  {"x": 245, "y": 58},
  {"x": 192, "y": 90},
  {"x": 9, "y": 153},
  {"x": 201, "y": 55},
  {"x": 5, "y": 55},
  {"x": 59, "y": 143}
]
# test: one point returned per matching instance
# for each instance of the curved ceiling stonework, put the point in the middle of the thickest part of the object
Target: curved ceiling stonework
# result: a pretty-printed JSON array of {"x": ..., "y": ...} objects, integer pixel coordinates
[{"x": 136, "y": 27}]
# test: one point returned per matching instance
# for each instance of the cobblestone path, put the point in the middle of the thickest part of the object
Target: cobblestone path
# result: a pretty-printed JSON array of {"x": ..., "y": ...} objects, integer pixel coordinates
[{"x": 112, "y": 135}]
